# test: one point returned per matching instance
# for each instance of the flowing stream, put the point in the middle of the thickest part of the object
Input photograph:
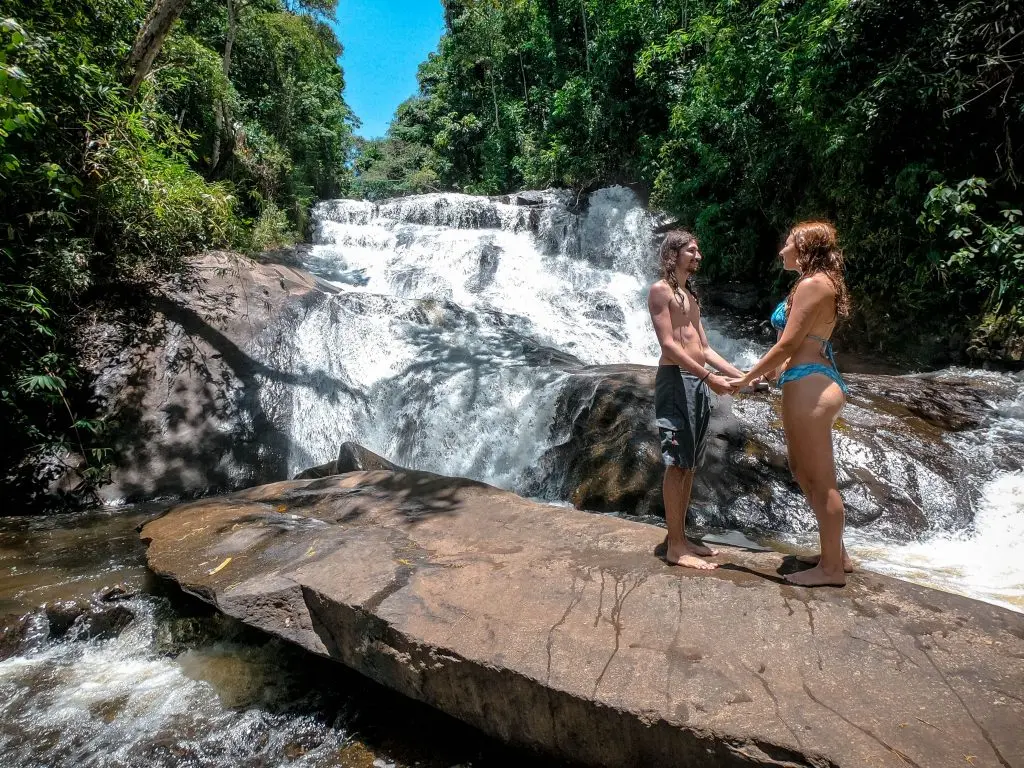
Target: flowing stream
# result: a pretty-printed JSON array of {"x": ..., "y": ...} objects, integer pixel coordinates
[
  {"x": 456, "y": 326},
  {"x": 142, "y": 676}
]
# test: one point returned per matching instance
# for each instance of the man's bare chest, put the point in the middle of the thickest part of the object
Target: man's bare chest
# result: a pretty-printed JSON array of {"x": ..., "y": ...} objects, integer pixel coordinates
[{"x": 685, "y": 315}]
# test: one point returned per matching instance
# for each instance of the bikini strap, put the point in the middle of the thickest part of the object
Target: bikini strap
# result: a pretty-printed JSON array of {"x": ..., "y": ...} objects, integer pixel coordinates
[{"x": 826, "y": 349}]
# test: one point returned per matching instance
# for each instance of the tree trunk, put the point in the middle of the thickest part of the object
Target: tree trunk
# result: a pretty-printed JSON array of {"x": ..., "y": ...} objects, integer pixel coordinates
[
  {"x": 218, "y": 132},
  {"x": 586, "y": 40},
  {"x": 222, "y": 112},
  {"x": 522, "y": 71},
  {"x": 229, "y": 43},
  {"x": 150, "y": 39},
  {"x": 494, "y": 95}
]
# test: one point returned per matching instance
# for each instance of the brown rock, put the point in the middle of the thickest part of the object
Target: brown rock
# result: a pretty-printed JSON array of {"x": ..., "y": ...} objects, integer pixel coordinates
[
  {"x": 62, "y": 614},
  {"x": 14, "y": 635},
  {"x": 200, "y": 388},
  {"x": 105, "y": 621},
  {"x": 320, "y": 470},
  {"x": 352, "y": 457},
  {"x": 610, "y": 459},
  {"x": 948, "y": 404},
  {"x": 556, "y": 629}
]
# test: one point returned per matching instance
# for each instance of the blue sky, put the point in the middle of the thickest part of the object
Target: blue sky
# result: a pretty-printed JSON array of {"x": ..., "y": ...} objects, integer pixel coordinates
[{"x": 385, "y": 41}]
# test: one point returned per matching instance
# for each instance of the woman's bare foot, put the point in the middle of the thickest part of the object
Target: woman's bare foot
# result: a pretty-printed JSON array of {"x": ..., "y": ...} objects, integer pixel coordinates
[
  {"x": 685, "y": 557},
  {"x": 815, "y": 577},
  {"x": 813, "y": 560}
]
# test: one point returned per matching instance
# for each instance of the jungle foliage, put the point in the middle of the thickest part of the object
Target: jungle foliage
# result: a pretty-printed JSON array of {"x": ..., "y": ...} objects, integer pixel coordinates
[
  {"x": 901, "y": 120},
  {"x": 109, "y": 182}
]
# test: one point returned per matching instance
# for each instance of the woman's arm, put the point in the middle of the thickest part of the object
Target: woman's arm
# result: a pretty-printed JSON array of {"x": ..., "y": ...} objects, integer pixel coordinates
[
  {"x": 812, "y": 293},
  {"x": 774, "y": 373}
]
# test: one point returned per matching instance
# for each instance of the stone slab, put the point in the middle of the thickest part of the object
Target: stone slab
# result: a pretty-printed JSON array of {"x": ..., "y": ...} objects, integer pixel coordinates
[{"x": 560, "y": 630}]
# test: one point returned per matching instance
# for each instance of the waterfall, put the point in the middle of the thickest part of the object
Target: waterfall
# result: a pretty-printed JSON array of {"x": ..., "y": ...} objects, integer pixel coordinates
[
  {"x": 982, "y": 559},
  {"x": 456, "y": 318},
  {"x": 458, "y": 322}
]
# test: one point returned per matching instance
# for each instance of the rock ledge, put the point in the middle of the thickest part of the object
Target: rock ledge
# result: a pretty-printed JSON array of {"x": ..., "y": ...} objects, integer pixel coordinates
[{"x": 559, "y": 630}]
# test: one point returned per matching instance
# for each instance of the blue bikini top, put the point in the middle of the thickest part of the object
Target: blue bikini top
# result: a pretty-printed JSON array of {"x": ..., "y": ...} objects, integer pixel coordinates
[
  {"x": 779, "y": 317},
  {"x": 779, "y": 324}
]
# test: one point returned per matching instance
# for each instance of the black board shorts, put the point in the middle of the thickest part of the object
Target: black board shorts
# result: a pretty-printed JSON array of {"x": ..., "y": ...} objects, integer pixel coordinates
[{"x": 682, "y": 406}]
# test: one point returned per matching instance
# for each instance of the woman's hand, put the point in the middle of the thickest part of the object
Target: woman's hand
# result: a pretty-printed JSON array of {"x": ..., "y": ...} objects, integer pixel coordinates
[{"x": 747, "y": 385}]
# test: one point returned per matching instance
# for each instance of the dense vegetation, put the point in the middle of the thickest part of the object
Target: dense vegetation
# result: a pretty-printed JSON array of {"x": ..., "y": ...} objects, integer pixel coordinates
[
  {"x": 112, "y": 173},
  {"x": 902, "y": 120}
]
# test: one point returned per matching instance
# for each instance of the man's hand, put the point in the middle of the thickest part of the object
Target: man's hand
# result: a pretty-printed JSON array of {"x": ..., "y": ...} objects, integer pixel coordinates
[
  {"x": 736, "y": 384},
  {"x": 720, "y": 385},
  {"x": 748, "y": 386}
]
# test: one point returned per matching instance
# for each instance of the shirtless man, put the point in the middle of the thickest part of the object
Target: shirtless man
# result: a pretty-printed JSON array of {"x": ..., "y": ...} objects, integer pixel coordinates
[{"x": 682, "y": 400}]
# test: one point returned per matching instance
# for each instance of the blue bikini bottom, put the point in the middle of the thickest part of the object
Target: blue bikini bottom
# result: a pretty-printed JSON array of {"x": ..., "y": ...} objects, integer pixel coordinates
[{"x": 798, "y": 372}]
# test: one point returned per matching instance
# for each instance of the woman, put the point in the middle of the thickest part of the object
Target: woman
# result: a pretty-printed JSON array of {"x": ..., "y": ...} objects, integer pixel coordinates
[{"x": 813, "y": 392}]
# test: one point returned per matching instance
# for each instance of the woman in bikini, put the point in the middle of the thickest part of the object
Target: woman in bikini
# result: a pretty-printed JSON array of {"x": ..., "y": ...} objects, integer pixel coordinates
[{"x": 813, "y": 392}]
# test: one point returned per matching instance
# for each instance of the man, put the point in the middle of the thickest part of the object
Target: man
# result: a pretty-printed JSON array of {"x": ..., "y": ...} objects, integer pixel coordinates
[{"x": 682, "y": 400}]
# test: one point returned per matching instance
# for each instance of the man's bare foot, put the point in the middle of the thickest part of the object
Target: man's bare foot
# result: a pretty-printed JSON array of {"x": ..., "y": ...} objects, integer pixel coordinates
[
  {"x": 814, "y": 559},
  {"x": 692, "y": 561},
  {"x": 687, "y": 559},
  {"x": 700, "y": 550},
  {"x": 815, "y": 577},
  {"x": 692, "y": 548}
]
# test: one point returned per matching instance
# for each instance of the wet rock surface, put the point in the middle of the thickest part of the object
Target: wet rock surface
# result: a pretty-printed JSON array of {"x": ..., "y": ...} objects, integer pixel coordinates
[
  {"x": 14, "y": 635},
  {"x": 99, "y": 618},
  {"x": 556, "y": 629},
  {"x": 897, "y": 471},
  {"x": 62, "y": 614},
  {"x": 200, "y": 393},
  {"x": 204, "y": 401},
  {"x": 352, "y": 457}
]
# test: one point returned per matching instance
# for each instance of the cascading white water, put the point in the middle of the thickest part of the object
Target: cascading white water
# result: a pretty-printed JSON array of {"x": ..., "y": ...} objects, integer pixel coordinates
[
  {"x": 450, "y": 310},
  {"x": 98, "y": 677},
  {"x": 983, "y": 560},
  {"x": 127, "y": 702},
  {"x": 447, "y": 345}
]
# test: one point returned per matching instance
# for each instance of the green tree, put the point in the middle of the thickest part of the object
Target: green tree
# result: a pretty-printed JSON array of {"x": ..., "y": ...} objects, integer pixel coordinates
[
  {"x": 110, "y": 111},
  {"x": 742, "y": 117}
]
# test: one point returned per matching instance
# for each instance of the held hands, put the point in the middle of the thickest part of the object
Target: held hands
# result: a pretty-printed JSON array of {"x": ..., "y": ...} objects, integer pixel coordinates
[
  {"x": 746, "y": 385},
  {"x": 720, "y": 385},
  {"x": 730, "y": 385}
]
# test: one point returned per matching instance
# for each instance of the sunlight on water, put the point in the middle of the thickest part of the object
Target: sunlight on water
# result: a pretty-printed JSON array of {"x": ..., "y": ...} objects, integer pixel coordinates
[
  {"x": 984, "y": 562},
  {"x": 437, "y": 354}
]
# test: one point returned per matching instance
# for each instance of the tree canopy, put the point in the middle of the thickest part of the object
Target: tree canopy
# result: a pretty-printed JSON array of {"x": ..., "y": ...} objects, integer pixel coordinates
[
  {"x": 901, "y": 120},
  {"x": 122, "y": 153}
]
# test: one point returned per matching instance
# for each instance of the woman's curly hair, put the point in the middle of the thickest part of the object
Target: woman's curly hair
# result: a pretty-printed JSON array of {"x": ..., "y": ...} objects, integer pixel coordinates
[{"x": 817, "y": 250}]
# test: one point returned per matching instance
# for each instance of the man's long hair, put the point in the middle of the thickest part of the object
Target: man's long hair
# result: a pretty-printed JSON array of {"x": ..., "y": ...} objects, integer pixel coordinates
[
  {"x": 817, "y": 250},
  {"x": 675, "y": 240}
]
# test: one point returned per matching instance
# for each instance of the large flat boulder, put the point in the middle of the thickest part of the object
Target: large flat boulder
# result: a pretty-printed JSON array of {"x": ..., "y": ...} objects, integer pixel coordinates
[{"x": 557, "y": 629}]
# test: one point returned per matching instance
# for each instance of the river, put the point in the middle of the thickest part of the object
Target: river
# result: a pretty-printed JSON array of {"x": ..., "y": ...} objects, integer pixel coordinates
[{"x": 456, "y": 324}]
